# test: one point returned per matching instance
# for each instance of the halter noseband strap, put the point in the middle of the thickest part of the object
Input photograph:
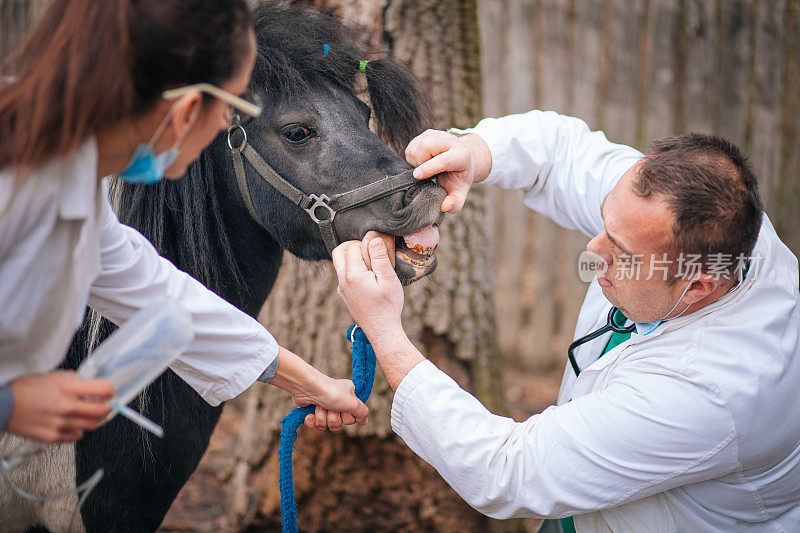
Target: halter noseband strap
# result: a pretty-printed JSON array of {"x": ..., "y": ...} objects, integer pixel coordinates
[{"x": 310, "y": 203}]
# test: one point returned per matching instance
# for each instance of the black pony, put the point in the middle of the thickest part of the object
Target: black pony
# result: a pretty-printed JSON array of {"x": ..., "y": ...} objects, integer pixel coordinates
[{"x": 314, "y": 132}]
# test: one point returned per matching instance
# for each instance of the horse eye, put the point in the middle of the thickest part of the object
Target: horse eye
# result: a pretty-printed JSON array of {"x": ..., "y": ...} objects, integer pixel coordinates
[{"x": 296, "y": 134}]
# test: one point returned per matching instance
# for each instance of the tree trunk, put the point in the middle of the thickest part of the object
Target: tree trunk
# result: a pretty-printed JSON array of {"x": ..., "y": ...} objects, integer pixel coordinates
[{"x": 367, "y": 479}]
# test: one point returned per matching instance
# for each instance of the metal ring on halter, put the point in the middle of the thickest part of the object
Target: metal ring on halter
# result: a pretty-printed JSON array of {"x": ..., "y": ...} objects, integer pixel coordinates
[
  {"x": 320, "y": 201},
  {"x": 244, "y": 137}
]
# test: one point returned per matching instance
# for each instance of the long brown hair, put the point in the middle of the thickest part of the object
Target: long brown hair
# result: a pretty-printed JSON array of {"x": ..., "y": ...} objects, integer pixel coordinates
[{"x": 93, "y": 63}]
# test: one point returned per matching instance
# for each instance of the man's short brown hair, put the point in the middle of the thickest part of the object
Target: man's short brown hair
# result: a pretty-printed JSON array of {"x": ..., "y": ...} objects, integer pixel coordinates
[{"x": 712, "y": 191}]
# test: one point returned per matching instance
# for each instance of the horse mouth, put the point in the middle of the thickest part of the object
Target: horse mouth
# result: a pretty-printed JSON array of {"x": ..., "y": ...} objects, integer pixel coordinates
[{"x": 415, "y": 253}]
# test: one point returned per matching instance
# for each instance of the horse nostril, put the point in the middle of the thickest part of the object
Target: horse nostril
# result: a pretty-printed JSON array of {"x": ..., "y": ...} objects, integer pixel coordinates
[{"x": 412, "y": 192}]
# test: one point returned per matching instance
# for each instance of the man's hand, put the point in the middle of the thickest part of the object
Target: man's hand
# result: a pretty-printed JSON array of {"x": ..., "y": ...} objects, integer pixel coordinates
[
  {"x": 375, "y": 300},
  {"x": 58, "y": 407},
  {"x": 374, "y": 297},
  {"x": 456, "y": 161}
]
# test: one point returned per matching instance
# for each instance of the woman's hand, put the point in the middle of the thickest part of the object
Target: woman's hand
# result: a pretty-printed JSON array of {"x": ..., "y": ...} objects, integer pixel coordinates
[
  {"x": 337, "y": 395},
  {"x": 456, "y": 161},
  {"x": 58, "y": 407},
  {"x": 335, "y": 398}
]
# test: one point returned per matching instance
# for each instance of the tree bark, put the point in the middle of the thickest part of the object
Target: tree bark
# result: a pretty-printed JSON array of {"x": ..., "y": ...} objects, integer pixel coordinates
[{"x": 367, "y": 478}]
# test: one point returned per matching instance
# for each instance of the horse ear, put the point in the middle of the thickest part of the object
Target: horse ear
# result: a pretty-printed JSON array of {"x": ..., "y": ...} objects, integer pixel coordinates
[{"x": 400, "y": 105}]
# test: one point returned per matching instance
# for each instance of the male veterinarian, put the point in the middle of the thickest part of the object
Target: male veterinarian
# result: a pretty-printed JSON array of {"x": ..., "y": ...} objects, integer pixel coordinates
[{"x": 683, "y": 417}]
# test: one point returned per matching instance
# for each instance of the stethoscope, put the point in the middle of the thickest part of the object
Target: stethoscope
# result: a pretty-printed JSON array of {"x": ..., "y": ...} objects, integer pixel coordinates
[{"x": 610, "y": 326}]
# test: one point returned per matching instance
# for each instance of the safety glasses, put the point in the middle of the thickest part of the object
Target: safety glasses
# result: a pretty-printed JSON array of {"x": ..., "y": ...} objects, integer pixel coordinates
[{"x": 248, "y": 103}]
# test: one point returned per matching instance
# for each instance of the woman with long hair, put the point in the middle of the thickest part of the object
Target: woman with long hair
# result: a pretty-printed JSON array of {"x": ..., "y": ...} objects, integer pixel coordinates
[{"x": 135, "y": 88}]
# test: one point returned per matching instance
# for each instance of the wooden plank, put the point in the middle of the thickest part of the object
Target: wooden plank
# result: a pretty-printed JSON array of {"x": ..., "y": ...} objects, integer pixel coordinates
[
  {"x": 679, "y": 49},
  {"x": 494, "y": 46},
  {"x": 510, "y": 241},
  {"x": 698, "y": 99},
  {"x": 16, "y": 19},
  {"x": 661, "y": 86},
  {"x": 550, "y": 59},
  {"x": 764, "y": 136},
  {"x": 645, "y": 55},
  {"x": 522, "y": 49},
  {"x": 621, "y": 23},
  {"x": 498, "y": 59},
  {"x": 493, "y": 17},
  {"x": 539, "y": 283},
  {"x": 602, "y": 89},
  {"x": 585, "y": 59},
  {"x": 523, "y": 56},
  {"x": 14, "y": 22},
  {"x": 787, "y": 215},
  {"x": 734, "y": 28}
]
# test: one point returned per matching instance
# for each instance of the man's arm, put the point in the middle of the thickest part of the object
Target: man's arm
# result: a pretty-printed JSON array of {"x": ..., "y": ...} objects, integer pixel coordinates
[
  {"x": 638, "y": 437},
  {"x": 651, "y": 429},
  {"x": 565, "y": 169}
]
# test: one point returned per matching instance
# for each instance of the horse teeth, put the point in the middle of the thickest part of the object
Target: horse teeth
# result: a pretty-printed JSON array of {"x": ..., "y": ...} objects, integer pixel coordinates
[
  {"x": 416, "y": 262},
  {"x": 424, "y": 250}
]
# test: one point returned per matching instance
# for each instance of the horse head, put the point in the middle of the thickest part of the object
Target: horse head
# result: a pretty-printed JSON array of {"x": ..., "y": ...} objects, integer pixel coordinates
[{"x": 314, "y": 132}]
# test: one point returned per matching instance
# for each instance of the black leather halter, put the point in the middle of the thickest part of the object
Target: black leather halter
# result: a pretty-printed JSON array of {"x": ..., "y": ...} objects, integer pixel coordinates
[{"x": 313, "y": 204}]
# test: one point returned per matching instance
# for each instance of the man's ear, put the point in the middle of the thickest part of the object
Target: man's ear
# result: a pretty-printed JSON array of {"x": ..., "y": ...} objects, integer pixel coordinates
[
  {"x": 185, "y": 112},
  {"x": 703, "y": 285}
]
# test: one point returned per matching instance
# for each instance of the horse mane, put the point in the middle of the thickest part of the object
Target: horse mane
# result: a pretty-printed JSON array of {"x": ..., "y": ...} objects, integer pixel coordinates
[
  {"x": 291, "y": 44},
  {"x": 172, "y": 213},
  {"x": 182, "y": 219}
]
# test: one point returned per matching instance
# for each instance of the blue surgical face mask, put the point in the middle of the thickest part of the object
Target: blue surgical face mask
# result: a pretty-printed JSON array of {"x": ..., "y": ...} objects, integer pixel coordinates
[
  {"x": 146, "y": 166},
  {"x": 645, "y": 328}
]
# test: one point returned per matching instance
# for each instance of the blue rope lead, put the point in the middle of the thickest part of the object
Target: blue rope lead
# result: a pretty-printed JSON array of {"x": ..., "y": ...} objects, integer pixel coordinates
[{"x": 363, "y": 377}]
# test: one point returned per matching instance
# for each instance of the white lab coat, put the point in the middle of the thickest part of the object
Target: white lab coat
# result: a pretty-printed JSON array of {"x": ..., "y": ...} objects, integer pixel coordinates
[
  {"x": 694, "y": 427},
  {"x": 61, "y": 247}
]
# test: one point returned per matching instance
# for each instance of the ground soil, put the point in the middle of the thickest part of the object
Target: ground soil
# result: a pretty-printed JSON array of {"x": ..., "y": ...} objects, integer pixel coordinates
[{"x": 200, "y": 505}]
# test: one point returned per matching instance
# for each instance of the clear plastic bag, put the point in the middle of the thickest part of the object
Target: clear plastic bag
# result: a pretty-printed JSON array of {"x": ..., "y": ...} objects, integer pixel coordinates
[{"x": 141, "y": 349}]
